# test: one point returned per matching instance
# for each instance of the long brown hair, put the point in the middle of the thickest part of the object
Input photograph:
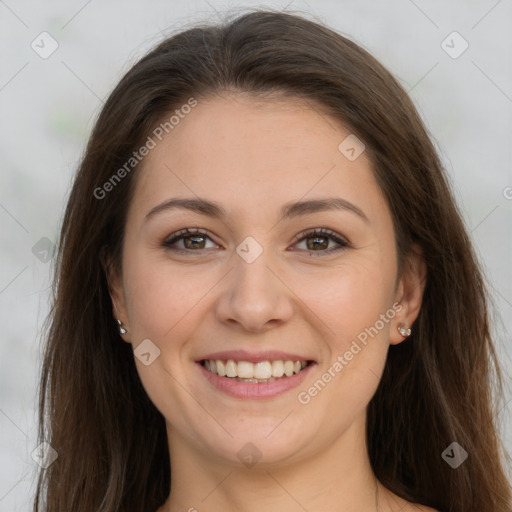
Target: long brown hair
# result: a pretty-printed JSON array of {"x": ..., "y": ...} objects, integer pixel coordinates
[{"x": 437, "y": 388}]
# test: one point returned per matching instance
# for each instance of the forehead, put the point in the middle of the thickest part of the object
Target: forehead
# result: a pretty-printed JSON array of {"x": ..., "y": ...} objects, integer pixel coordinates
[{"x": 252, "y": 155}]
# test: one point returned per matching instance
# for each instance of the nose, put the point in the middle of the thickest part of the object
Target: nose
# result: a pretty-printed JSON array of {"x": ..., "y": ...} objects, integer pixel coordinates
[{"x": 256, "y": 297}]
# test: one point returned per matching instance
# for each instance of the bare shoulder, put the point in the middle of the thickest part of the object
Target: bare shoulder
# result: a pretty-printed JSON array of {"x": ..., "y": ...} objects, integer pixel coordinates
[
  {"x": 415, "y": 507},
  {"x": 395, "y": 502},
  {"x": 419, "y": 508}
]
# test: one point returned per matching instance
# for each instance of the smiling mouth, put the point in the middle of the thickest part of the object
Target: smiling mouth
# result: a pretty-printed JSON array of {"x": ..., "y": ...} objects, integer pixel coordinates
[{"x": 263, "y": 371}]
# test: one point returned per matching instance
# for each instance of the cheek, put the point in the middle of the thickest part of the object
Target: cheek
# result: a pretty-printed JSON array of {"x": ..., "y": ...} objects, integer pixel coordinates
[
  {"x": 349, "y": 299},
  {"x": 164, "y": 305},
  {"x": 352, "y": 303},
  {"x": 161, "y": 298}
]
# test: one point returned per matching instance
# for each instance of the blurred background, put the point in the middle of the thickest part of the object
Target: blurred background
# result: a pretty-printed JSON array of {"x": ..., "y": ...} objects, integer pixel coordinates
[{"x": 60, "y": 60}]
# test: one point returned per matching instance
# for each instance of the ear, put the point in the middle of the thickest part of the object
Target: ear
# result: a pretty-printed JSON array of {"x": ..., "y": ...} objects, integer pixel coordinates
[
  {"x": 409, "y": 293},
  {"x": 115, "y": 288}
]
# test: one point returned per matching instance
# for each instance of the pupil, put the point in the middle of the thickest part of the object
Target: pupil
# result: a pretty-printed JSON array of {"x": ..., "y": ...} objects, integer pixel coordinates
[
  {"x": 191, "y": 240},
  {"x": 315, "y": 242}
]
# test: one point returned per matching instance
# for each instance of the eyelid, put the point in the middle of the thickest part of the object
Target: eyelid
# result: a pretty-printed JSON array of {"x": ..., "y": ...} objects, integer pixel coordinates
[
  {"x": 342, "y": 241},
  {"x": 182, "y": 234},
  {"x": 323, "y": 231}
]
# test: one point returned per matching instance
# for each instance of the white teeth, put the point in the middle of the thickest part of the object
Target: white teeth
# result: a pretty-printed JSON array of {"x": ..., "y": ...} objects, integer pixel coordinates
[
  {"x": 231, "y": 368},
  {"x": 254, "y": 381},
  {"x": 277, "y": 368},
  {"x": 221, "y": 368},
  {"x": 288, "y": 368},
  {"x": 245, "y": 370},
  {"x": 263, "y": 371}
]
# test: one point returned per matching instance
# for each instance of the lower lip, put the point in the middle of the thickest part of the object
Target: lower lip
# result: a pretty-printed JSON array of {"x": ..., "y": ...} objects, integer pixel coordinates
[{"x": 255, "y": 390}]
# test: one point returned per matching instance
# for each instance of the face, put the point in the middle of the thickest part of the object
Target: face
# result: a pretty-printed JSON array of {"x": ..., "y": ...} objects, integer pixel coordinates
[{"x": 260, "y": 280}]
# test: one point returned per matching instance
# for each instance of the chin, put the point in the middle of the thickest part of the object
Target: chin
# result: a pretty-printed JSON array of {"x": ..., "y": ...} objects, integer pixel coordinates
[{"x": 258, "y": 447}]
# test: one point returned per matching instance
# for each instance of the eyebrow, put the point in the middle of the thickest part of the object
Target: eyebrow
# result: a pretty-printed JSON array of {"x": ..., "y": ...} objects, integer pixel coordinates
[{"x": 288, "y": 211}]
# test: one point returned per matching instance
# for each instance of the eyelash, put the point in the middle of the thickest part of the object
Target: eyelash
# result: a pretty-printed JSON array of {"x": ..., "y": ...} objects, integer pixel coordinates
[{"x": 323, "y": 232}]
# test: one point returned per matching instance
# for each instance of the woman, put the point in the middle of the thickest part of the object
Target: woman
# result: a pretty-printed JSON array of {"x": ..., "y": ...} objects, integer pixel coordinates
[{"x": 266, "y": 298}]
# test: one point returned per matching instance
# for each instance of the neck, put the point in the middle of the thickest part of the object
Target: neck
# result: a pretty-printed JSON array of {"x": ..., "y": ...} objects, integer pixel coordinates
[{"x": 340, "y": 478}]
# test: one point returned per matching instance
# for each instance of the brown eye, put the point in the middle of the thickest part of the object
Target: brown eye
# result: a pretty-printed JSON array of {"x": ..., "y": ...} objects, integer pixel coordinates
[
  {"x": 193, "y": 240},
  {"x": 318, "y": 241}
]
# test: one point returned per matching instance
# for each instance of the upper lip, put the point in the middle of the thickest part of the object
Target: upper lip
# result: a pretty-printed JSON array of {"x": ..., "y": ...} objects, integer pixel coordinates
[{"x": 254, "y": 357}]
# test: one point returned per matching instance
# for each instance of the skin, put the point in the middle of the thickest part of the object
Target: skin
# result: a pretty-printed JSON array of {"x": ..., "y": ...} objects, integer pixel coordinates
[{"x": 253, "y": 156}]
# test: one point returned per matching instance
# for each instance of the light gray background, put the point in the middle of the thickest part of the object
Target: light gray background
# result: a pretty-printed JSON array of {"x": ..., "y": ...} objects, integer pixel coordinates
[{"x": 48, "y": 107}]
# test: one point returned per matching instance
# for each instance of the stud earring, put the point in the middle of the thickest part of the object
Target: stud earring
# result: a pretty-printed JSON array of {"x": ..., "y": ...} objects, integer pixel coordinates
[
  {"x": 405, "y": 332},
  {"x": 122, "y": 330}
]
